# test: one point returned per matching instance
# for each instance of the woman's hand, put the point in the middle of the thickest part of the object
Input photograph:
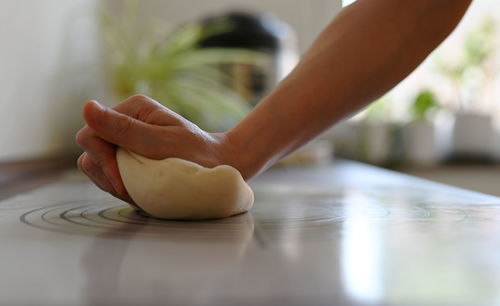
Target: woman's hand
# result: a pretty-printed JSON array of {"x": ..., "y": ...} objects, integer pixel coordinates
[{"x": 144, "y": 126}]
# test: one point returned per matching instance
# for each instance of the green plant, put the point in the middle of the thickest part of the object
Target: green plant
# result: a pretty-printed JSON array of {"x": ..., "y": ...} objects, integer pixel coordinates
[
  {"x": 171, "y": 68},
  {"x": 422, "y": 105},
  {"x": 380, "y": 110},
  {"x": 475, "y": 67}
]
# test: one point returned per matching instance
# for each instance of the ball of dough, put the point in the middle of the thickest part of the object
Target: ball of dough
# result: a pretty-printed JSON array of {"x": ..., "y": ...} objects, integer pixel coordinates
[{"x": 174, "y": 188}]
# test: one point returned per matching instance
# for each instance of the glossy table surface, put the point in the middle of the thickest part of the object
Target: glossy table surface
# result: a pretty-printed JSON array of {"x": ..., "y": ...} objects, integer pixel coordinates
[{"x": 345, "y": 234}]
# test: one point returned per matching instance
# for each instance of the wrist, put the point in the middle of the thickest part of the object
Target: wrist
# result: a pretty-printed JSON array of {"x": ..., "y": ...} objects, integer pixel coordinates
[{"x": 238, "y": 154}]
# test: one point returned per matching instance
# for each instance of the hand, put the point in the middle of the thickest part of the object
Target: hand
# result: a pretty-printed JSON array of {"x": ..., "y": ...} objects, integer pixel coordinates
[{"x": 144, "y": 126}]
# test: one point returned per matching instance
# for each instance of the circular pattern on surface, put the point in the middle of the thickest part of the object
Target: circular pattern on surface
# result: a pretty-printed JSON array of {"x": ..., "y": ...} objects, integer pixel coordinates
[
  {"x": 117, "y": 219},
  {"x": 274, "y": 217}
]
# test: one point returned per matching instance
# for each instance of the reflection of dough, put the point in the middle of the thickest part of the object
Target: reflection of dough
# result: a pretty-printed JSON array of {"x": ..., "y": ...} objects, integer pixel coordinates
[{"x": 174, "y": 188}]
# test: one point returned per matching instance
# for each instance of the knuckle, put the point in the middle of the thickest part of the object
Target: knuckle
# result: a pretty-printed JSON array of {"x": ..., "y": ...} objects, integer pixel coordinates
[
  {"x": 85, "y": 165},
  {"x": 100, "y": 161},
  {"x": 130, "y": 103},
  {"x": 140, "y": 97},
  {"x": 119, "y": 124},
  {"x": 81, "y": 137},
  {"x": 91, "y": 164},
  {"x": 80, "y": 163},
  {"x": 143, "y": 101}
]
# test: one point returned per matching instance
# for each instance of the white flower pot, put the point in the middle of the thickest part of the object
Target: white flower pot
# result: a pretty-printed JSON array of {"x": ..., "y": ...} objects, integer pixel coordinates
[
  {"x": 375, "y": 142},
  {"x": 473, "y": 136},
  {"x": 421, "y": 144}
]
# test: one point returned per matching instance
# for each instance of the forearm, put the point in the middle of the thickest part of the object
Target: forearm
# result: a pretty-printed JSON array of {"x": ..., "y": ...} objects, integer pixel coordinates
[{"x": 365, "y": 51}]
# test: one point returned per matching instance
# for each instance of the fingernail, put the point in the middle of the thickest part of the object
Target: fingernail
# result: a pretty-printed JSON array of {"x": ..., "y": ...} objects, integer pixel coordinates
[{"x": 97, "y": 104}]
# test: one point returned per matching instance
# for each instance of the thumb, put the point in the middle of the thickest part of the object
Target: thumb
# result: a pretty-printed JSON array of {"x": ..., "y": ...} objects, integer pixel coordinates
[{"x": 122, "y": 130}]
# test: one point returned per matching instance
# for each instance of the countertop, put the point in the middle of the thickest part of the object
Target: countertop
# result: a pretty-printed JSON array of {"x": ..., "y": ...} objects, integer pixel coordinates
[{"x": 342, "y": 234}]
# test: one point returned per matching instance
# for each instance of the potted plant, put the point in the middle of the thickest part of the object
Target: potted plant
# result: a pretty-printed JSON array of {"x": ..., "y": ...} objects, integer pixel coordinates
[
  {"x": 421, "y": 143},
  {"x": 171, "y": 67},
  {"x": 376, "y": 134},
  {"x": 471, "y": 75}
]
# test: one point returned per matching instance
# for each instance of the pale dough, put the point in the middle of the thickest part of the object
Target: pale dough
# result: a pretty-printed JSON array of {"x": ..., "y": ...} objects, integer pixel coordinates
[{"x": 174, "y": 188}]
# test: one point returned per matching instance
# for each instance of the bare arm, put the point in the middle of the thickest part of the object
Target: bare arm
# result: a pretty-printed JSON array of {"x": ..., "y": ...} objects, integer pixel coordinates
[{"x": 365, "y": 51}]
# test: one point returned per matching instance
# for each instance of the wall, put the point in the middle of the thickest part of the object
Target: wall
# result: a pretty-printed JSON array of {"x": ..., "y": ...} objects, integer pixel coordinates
[
  {"x": 308, "y": 18},
  {"x": 48, "y": 48}
]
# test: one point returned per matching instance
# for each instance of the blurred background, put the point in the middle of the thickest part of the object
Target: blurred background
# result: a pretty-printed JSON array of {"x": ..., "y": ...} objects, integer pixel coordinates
[{"x": 212, "y": 61}]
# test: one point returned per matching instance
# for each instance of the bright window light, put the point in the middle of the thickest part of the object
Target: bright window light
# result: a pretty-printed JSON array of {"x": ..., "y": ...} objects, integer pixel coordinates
[{"x": 347, "y": 2}]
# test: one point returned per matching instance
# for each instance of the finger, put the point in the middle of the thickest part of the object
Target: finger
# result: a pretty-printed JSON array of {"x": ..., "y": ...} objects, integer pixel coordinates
[
  {"x": 102, "y": 154},
  {"x": 148, "y": 110},
  {"x": 123, "y": 130},
  {"x": 97, "y": 176},
  {"x": 94, "y": 174}
]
